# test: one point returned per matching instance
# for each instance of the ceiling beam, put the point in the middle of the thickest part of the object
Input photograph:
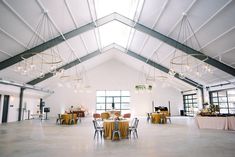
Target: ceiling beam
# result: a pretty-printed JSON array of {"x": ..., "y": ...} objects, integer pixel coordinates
[
  {"x": 130, "y": 53},
  {"x": 53, "y": 42},
  {"x": 158, "y": 66},
  {"x": 65, "y": 67},
  {"x": 176, "y": 44},
  {"x": 128, "y": 22}
]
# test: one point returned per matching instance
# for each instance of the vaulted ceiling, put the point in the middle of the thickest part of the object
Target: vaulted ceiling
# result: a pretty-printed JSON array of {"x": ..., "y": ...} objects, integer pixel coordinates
[{"x": 211, "y": 20}]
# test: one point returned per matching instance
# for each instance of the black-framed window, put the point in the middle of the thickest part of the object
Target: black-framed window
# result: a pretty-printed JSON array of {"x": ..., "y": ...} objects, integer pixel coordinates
[
  {"x": 225, "y": 99},
  {"x": 108, "y": 100},
  {"x": 190, "y": 104}
]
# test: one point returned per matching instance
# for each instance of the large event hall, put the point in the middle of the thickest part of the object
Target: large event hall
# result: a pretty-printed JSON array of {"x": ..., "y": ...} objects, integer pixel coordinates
[{"x": 111, "y": 78}]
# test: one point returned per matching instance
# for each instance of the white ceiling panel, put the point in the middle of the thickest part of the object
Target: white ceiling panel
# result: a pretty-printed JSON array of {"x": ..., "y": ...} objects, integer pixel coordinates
[
  {"x": 150, "y": 47},
  {"x": 78, "y": 46},
  {"x": 221, "y": 45},
  {"x": 123, "y": 7},
  {"x": 3, "y": 56},
  {"x": 172, "y": 13},
  {"x": 137, "y": 41},
  {"x": 219, "y": 25},
  {"x": 12, "y": 25},
  {"x": 151, "y": 11},
  {"x": 80, "y": 11},
  {"x": 90, "y": 41},
  {"x": 199, "y": 14},
  {"x": 59, "y": 14},
  {"x": 114, "y": 32},
  {"x": 164, "y": 52},
  {"x": 229, "y": 57},
  {"x": 9, "y": 45}
]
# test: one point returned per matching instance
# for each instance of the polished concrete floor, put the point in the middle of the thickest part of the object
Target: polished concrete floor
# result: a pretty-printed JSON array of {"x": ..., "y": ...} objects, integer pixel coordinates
[{"x": 33, "y": 138}]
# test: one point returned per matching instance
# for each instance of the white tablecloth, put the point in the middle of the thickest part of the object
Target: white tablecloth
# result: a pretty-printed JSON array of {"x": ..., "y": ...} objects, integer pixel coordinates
[
  {"x": 212, "y": 122},
  {"x": 231, "y": 123}
]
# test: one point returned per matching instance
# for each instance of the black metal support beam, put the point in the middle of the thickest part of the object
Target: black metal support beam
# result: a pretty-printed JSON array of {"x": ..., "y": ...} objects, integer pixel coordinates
[
  {"x": 53, "y": 42},
  {"x": 66, "y": 66},
  {"x": 128, "y": 22},
  {"x": 130, "y": 53},
  {"x": 162, "y": 68},
  {"x": 21, "y": 103},
  {"x": 176, "y": 44}
]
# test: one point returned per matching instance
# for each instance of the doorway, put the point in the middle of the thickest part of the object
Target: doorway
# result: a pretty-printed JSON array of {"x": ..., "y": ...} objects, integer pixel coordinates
[{"x": 5, "y": 108}]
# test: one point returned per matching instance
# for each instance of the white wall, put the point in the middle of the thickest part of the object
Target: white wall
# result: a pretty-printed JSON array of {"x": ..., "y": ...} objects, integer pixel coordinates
[
  {"x": 113, "y": 75},
  {"x": 30, "y": 98}
]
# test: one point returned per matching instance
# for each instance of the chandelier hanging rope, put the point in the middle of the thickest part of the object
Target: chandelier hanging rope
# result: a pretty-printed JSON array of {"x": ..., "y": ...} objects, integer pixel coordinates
[
  {"x": 183, "y": 63},
  {"x": 32, "y": 61}
]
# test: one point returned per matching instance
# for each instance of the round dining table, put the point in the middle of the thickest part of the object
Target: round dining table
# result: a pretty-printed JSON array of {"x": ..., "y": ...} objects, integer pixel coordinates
[
  {"x": 66, "y": 117},
  {"x": 123, "y": 126},
  {"x": 158, "y": 118}
]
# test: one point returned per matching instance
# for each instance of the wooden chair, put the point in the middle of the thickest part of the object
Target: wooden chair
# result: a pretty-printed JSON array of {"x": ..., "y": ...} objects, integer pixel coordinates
[
  {"x": 96, "y": 116},
  {"x": 117, "y": 113},
  {"x": 72, "y": 119},
  {"x": 127, "y": 115},
  {"x": 105, "y": 115},
  {"x": 59, "y": 120}
]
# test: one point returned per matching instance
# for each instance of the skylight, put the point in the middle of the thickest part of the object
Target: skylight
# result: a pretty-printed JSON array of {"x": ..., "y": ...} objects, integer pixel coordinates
[{"x": 114, "y": 32}]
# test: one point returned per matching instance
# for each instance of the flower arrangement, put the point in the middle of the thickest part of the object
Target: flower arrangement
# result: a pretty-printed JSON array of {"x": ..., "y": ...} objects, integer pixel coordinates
[
  {"x": 142, "y": 87},
  {"x": 209, "y": 110}
]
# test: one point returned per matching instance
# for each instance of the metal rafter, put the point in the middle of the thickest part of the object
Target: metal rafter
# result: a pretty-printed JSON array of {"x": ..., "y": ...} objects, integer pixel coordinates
[
  {"x": 66, "y": 66},
  {"x": 128, "y": 22},
  {"x": 130, "y": 53}
]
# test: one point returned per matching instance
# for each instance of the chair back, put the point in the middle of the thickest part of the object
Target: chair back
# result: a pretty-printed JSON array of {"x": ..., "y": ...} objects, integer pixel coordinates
[
  {"x": 59, "y": 116},
  {"x": 116, "y": 128},
  {"x": 95, "y": 124},
  {"x": 105, "y": 115},
  {"x": 117, "y": 113},
  {"x": 136, "y": 123},
  {"x": 127, "y": 115},
  {"x": 133, "y": 122},
  {"x": 96, "y": 115},
  {"x": 166, "y": 113}
]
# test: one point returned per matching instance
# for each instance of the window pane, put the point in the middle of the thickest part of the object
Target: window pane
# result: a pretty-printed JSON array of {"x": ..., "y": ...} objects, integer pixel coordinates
[
  {"x": 222, "y": 93},
  {"x": 100, "y": 99},
  {"x": 231, "y": 105},
  {"x": 231, "y": 99},
  {"x": 117, "y": 105},
  {"x": 215, "y": 99},
  {"x": 223, "y": 105},
  {"x": 231, "y": 92},
  {"x": 100, "y": 111},
  {"x": 109, "y": 106},
  {"x": 109, "y": 99},
  {"x": 116, "y": 99},
  {"x": 232, "y": 111},
  {"x": 214, "y": 94},
  {"x": 100, "y": 106},
  {"x": 100, "y": 93},
  {"x": 113, "y": 93},
  {"x": 224, "y": 111},
  {"x": 222, "y": 99}
]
